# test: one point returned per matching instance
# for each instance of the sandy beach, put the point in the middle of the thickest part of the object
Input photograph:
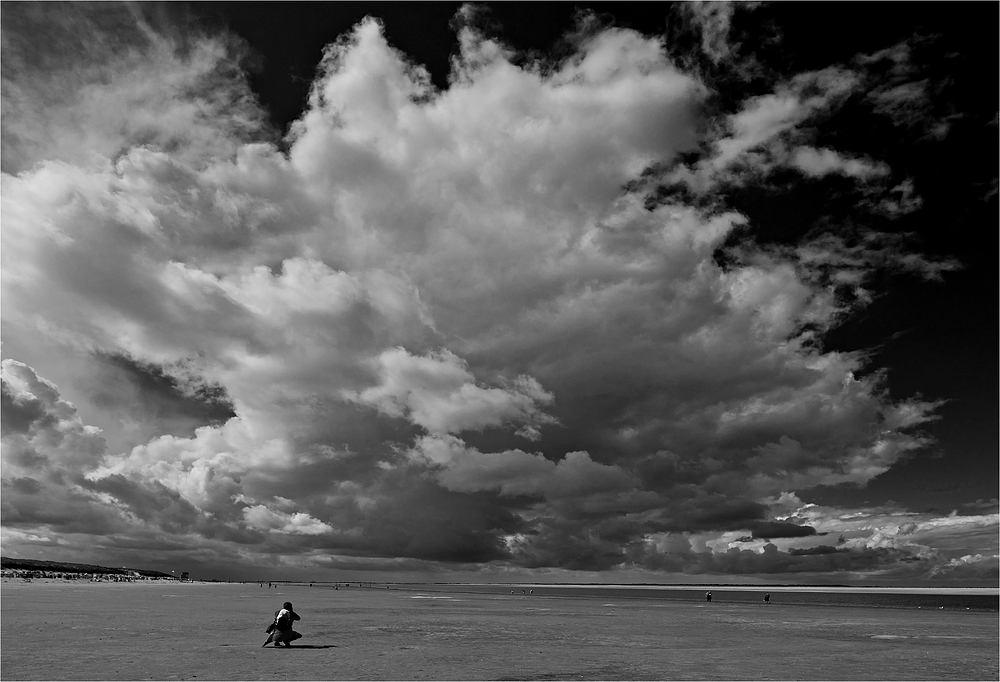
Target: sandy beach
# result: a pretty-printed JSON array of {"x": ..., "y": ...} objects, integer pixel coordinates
[{"x": 195, "y": 631}]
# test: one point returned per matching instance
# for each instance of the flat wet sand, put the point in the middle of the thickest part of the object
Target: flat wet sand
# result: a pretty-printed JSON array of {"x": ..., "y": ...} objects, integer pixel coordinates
[{"x": 195, "y": 631}]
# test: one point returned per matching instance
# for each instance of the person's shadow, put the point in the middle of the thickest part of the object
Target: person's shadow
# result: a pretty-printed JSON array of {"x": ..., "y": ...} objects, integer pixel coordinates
[{"x": 309, "y": 646}]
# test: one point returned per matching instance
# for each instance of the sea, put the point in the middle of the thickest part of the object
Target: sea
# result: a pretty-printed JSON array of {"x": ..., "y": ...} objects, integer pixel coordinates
[{"x": 953, "y": 599}]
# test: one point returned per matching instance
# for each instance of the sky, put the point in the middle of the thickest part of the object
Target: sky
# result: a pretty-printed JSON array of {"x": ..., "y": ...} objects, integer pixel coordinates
[{"x": 564, "y": 292}]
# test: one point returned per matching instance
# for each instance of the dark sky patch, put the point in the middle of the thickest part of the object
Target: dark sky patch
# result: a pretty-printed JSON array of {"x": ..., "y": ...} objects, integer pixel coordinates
[
  {"x": 769, "y": 530},
  {"x": 25, "y": 485},
  {"x": 724, "y": 514}
]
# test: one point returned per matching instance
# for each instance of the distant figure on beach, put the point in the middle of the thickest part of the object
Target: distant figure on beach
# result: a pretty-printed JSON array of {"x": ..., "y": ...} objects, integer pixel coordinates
[
  {"x": 767, "y": 599},
  {"x": 708, "y": 596},
  {"x": 280, "y": 631}
]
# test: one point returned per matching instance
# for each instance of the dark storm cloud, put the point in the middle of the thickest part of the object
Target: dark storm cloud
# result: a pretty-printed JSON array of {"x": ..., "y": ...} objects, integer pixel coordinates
[
  {"x": 18, "y": 415},
  {"x": 46, "y": 434},
  {"x": 147, "y": 391},
  {"x": 63, "y": 509},
  {"x": 771, "y": 560},
  {"x": 166, "y": 510},
  {"x": 723, "y": 513},
  {"x": 156, "y": 503},
  {"x": 777, "y": 529},
  {"x": 25, "y": 485},
  {"x": 563, "y": 547},
  {"x": 810, "y": 551},
  {"x": 424, "y": 522}
]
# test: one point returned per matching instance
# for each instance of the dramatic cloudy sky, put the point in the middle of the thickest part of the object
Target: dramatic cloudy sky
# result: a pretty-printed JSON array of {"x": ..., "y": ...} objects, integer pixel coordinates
[{"x": 543, "y": 292}]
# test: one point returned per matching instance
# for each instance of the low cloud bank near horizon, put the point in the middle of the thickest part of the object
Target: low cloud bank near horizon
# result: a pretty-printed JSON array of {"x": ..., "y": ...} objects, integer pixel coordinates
[{"x": 510, "y": 325}]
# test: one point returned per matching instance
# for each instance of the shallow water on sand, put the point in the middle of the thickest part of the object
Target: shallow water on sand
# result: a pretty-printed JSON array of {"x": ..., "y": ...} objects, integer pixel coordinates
[{"x": 955, "y": 600}]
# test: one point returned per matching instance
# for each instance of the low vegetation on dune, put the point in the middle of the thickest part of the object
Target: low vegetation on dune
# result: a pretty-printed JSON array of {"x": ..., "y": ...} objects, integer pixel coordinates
[{"x": 63, "y": 567}]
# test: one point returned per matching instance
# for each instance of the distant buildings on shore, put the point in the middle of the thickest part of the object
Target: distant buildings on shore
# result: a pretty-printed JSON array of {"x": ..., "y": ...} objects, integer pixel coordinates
[{"x": 28, "y": 575}]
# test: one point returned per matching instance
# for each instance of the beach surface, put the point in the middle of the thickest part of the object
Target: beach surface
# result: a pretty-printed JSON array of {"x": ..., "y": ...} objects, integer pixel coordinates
[{"x": 204, "y": 631}]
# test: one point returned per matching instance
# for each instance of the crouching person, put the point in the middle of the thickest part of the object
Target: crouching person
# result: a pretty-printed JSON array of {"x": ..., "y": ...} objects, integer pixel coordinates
[{"x": 280, "y": 630}]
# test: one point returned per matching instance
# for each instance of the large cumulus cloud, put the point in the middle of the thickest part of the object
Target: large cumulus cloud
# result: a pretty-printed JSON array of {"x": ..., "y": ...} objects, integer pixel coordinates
[{"x": 511, "y": 321}]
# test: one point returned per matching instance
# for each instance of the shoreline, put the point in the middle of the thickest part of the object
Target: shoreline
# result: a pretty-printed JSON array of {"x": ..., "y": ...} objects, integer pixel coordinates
[
  {"x": 811, "y": 589},
  {"x": 985, "y": 591}
]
